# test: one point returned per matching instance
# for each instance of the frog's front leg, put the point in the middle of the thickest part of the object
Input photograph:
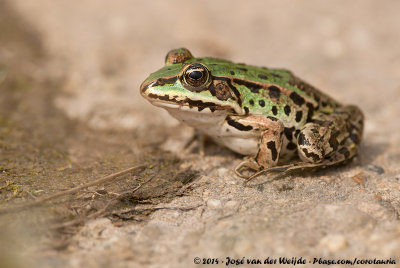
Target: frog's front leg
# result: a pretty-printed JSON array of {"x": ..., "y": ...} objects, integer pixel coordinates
[
  {"x": 198, "y": 137},
  {"x": 270, "y": 144}
]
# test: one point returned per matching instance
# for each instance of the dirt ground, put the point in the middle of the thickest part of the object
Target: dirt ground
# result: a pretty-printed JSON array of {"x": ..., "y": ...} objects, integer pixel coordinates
[{"x": 71, "y": 112}]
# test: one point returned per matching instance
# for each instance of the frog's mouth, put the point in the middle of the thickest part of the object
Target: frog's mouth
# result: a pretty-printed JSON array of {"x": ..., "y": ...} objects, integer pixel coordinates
[{"x": 187, "y": 104}]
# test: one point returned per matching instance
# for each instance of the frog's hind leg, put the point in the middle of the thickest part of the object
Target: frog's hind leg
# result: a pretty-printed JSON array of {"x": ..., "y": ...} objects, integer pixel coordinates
[{"x": 333, "y": 138}]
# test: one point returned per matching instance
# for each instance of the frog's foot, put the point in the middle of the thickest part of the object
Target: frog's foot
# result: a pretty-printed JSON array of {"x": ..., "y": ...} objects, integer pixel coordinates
[
  {"x": 200, "y": 138},
  {"x": 253, "y": 165},
  {"x": 246, "y": 164},
  {"x": 285, "y": 169}
]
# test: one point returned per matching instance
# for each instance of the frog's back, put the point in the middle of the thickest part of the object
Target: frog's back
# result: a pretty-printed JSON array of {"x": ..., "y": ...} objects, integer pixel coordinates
[{"x": 272, "y": 92}]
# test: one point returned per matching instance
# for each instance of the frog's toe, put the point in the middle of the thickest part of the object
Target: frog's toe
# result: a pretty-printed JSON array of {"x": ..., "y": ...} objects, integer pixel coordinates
[{"x": 246, "y": 164}]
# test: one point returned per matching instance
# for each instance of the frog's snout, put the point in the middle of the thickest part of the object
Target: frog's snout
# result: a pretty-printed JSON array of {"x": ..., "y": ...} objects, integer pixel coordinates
[{"x": 145, "y": 86}]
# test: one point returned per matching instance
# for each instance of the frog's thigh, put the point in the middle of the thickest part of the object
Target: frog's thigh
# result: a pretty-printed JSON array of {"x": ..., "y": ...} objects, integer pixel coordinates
[
  {"x": 271, "y": 138},
  {"x": 331, "y": 134}
]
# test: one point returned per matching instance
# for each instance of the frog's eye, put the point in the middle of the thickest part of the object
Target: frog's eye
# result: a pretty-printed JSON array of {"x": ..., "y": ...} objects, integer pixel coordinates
[{"x": 195, "y": 77}]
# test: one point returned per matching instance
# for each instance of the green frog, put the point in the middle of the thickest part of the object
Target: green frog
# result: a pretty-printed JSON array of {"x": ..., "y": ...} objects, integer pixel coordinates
[{"x": 269, "y": 115}]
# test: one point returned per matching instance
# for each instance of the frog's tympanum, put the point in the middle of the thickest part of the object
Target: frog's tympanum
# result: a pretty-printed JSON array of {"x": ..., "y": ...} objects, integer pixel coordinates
[{"x": 267, "y": 114}]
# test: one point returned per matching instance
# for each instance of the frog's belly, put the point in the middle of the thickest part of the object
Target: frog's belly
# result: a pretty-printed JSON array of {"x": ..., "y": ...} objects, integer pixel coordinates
[
  {"x": 215, "y": 126},
  {"x": 244, "y": 146},
  {"x": 246, "y": 142}
]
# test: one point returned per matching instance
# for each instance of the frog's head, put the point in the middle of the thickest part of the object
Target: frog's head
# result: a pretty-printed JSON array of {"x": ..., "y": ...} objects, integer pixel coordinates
[{"x": 192, "y": 84}]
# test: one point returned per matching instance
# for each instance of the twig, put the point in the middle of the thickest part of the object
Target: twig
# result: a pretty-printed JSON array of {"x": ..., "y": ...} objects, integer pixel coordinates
[
  {"x": 101, "y": 211},
  {"x": 152, "y": 209},
  {"x": 69, "y": 191}
]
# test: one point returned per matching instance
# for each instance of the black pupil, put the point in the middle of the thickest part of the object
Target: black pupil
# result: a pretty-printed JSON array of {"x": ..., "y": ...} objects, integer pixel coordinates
[{"x": 195, "y": 75}]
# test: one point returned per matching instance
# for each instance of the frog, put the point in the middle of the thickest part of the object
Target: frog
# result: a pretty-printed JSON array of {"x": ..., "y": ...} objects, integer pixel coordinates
[{"x": 279, "y": 122}]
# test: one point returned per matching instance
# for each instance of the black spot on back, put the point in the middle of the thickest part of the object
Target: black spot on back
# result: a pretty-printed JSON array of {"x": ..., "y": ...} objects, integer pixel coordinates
[
  {"x": 274, "y": 110},
  {"x": 262, "y": 103},
  {"x": 232, "y": 72},
  {"x": 287, "y": 110},
  {"x": 262, "y": 76},
  {"x": 255, "y": 88},
  {"x": 310, "y": 112},
  {"x": 297, "y": 99},
  {"x": 251, "y": 102},
  {"x": 299, "y": 115},
  {"x": 276, "y": 75},
  {"x": 288, "y": 133},
  {"x": 246, "y": 110},
  {"x": 242, "y": 69},
  {"x": 274, "y": 92}
]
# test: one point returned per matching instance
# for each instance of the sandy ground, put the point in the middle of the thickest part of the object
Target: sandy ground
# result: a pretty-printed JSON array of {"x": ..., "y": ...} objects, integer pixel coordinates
[{"x": 70, "y": 112}]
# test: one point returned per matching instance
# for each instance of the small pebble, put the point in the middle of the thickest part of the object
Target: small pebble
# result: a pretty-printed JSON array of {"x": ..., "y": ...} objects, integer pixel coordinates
[
  {"x": 231, "y": 204},
  {"x": 245, "y": 247},
  {"x": 334, "y": 242},
  {"x": 377, "y": 169},
  {"x": 222, "y": 172},
  {"x": 214, "y": 203}
]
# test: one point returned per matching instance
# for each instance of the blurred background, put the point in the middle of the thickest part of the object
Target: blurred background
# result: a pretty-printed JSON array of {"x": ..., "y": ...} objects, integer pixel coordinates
[{"x": 70, "y": 110}]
